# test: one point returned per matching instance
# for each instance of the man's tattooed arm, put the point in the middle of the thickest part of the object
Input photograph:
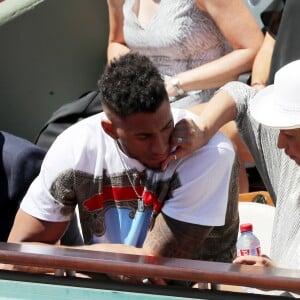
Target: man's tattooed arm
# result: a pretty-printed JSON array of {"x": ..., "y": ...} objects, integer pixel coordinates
[{"x": 173, "y": 238}]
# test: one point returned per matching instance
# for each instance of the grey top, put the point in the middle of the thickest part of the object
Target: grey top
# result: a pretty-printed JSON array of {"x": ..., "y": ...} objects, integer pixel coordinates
[
  {"x": 177, "y": 38},
  {"x": 280, "y": 174}
]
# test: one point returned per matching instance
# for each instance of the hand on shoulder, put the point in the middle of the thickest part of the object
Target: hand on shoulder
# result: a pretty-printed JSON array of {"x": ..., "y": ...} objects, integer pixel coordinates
[{"x": 186, "y": 138}]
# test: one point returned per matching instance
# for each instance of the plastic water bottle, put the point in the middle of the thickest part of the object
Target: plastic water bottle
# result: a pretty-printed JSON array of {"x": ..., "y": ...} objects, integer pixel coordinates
[{"x": 248, "y": 243}]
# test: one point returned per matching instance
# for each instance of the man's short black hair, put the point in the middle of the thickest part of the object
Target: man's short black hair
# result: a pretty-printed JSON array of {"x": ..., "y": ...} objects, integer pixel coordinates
[{"x": 132, "y": 84}]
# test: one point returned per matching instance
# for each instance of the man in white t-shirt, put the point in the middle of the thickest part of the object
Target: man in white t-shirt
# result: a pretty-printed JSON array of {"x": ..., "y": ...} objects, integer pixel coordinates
[{"x": 111, "y": 166}]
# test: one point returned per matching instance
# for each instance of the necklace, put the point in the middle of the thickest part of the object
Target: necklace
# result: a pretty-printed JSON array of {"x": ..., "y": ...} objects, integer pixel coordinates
[{"x": 141, "y": 206}]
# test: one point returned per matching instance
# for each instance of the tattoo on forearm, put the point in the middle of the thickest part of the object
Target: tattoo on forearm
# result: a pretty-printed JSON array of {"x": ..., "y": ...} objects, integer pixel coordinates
[{"x": 172, "y": 238}]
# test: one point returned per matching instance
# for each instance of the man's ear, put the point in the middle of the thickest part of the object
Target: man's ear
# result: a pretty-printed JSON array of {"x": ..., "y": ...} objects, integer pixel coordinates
[{"x": 109, "y": 129}]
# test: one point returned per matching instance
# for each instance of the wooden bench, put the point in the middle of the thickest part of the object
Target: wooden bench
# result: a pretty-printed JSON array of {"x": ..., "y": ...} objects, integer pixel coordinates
[{"x": 146, "y": 266}]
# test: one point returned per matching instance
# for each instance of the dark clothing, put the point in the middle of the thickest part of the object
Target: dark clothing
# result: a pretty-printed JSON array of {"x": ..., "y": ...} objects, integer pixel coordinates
[
  {"x": 281, "y": 19},
  {"x": 20, "y": 163},
  {"x": 271, "y": 17}
]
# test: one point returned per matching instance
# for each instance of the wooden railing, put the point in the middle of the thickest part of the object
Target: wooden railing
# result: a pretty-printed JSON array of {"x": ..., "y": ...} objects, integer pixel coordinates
[{"x": 147, "y": 266}]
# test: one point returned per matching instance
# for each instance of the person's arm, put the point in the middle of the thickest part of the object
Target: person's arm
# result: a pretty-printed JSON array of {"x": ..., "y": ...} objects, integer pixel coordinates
[
  {"x": 243, "y": 34},
  {"x": 262, "y": 63},
  {"x": 214, "y": 114},
  {"x": 116, "y": 43},
  {"x": 27, "y": 228},
  {"x": 217, "y": 112},
  {"x": 39, "y": 231},
  {"x": 167, "y": 238},
  {"x": 173, "y": 238}
]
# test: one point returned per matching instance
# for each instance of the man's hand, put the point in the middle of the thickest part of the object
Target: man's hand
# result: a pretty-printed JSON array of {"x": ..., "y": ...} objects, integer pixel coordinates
[
  {"x": 260, "y": 261},
  {"x": 186, "y": 138}
]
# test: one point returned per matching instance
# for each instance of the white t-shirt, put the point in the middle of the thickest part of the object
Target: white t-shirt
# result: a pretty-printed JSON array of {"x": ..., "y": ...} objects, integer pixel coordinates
[{"x": 83, "y": 167}]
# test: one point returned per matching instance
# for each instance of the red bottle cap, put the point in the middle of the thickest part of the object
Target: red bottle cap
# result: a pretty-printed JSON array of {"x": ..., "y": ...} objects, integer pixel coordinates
[{"x": 246, "y": 227}]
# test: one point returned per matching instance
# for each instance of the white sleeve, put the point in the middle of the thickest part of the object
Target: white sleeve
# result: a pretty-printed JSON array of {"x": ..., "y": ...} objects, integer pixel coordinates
[
  {"x": 204, "y": 177},
  {"x": 59, "y": 161}
]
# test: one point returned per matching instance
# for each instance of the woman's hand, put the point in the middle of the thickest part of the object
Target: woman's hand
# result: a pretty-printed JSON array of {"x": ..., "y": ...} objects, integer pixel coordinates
[
  {"x": 170, "y": 88},
  {"x": 186, "y": 138}
]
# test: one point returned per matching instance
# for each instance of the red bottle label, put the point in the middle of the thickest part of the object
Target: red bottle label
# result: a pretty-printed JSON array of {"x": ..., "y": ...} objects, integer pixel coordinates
[{"x": 254, "y": 251}]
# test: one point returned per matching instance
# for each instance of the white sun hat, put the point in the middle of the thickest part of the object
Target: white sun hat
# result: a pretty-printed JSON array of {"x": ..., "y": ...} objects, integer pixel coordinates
[{"x": 278, "y": 105}]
